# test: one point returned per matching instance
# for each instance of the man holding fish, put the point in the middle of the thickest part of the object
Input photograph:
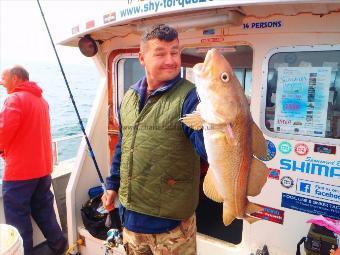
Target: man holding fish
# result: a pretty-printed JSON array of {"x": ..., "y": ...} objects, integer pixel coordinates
[{"x": 157, "y": 159}]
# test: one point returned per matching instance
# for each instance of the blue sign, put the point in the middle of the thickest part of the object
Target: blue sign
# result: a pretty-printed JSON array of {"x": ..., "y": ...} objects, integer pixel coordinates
[
  {"x": 318, "y": 190},
  {"x": 271, "y": 151},
  {"x": 312, "y": 167},
  {"x": 304, "y": 187},
  {"x": 310, "y": 206}
]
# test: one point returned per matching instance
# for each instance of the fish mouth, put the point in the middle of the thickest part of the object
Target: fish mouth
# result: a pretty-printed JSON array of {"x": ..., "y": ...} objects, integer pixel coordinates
[
  {"x": 208, "y": 58},
  {"x": 198, "y": 69},
  {"x": 205, "y": 69},
  {"x": 202, "y": 68}
]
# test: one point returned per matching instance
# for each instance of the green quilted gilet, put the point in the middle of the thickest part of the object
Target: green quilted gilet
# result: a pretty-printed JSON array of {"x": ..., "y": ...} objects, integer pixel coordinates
[{"x": 159, "y": 168}]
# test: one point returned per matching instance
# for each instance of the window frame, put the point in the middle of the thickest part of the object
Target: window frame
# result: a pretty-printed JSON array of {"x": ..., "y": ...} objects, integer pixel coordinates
[
  {"x": 264, "y": 82},
  {"x": 118, "y": 79}
]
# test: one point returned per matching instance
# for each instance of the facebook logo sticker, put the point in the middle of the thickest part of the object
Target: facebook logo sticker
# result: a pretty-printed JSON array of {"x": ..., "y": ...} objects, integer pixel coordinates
[{"x": 305, "y": 187}]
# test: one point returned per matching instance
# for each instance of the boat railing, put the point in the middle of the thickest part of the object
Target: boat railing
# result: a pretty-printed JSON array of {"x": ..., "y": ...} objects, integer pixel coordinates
[
  {"x": 69, "y": 144},
  {"x": 63, "y": 148}
]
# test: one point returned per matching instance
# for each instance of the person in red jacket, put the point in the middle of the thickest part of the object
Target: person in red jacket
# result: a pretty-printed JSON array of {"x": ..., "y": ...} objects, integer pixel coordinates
[{"x": 25, "y": 143}]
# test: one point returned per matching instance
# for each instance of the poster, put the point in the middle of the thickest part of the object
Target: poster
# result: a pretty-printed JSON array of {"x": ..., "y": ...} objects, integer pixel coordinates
[{"x": 302, "y": 100}]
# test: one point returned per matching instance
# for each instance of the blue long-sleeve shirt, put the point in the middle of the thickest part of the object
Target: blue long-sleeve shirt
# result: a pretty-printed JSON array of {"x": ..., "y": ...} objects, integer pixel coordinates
[{"x": 138, "y": 222}]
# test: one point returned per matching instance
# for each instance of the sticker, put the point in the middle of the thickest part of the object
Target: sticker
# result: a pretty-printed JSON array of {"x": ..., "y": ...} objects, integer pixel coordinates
[
  {"x": 215, "y": 39},
  {"x": 287, "y": 182},
  {"x": 327, "y": 149},
  {"x": 312, "y": 166},
  {"x": 270, "y": 214},
  {"x": 209, "y": 32},
  {"x": 271, "y": 151},
  {"x": 220, "y": 49},
  {"x": 285, "y": 147},
  {"x": 75, "y": 30},
  {"x": 308, "y": 205},
  {"x": 274, "y": 173},
  {"x": 109, "y": 17},
  {"x": 319, "y": 190},
  {"x": 90, "y": 24},
  {"x": 263, "y": 24},
  {"x": 301, "y": 149}
]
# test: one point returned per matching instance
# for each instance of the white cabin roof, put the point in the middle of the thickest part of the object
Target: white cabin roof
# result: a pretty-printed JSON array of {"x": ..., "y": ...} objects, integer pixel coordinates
[{"x": 132, "y": 17}]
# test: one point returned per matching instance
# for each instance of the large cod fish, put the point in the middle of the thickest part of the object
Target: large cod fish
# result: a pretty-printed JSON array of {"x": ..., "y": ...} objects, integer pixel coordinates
[{"x": 231, "y": 139}]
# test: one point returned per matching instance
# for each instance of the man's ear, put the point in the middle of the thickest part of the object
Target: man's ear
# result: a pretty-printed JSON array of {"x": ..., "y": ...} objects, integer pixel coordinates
[
  {"x": 141, "y": 58},
  {"x": 14, "y": 78}
]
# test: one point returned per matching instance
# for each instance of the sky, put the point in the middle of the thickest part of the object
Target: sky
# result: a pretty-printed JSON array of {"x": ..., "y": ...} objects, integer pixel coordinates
[{"x": 24, "y": 38}]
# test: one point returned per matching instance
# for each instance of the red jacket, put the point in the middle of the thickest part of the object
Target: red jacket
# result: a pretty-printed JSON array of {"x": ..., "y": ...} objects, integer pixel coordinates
[{"x": 25, "y": 134}]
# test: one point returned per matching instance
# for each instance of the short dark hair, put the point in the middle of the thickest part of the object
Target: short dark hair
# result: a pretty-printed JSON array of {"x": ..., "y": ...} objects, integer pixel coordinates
[
  {"x": 20, "y": 72},
  {"x": 161, "y": 31}
]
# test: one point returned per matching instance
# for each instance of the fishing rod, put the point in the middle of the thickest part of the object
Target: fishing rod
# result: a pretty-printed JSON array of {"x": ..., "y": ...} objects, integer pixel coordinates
[
  {"x": 113, "y": 221},
  {"x": 74, "y": 104}
]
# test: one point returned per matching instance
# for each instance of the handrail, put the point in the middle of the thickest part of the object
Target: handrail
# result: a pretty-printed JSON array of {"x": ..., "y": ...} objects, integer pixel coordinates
[
  {"x": 65, "y": 138},
  {"x": 55, "y": 142}
]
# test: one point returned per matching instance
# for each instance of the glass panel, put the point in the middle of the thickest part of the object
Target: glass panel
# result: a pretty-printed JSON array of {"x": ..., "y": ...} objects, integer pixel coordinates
[
  {"x": 240, "y": 74},
  {"x": 303, "y": 93},
  {"x": 240, "y": 57},
  {"x": 129, "y": 71},
  {"x": 247, "y": 82},
  {"x": 133, "y": 71}
]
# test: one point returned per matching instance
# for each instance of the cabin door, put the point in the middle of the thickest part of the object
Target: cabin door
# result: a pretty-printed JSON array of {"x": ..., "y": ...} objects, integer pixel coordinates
[{"x": 125, "y": 70}]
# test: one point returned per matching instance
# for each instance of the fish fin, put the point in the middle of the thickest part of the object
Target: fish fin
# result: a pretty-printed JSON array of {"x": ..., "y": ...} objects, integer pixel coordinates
[
  {"x": 193, "y": 120},
  {"x": 258, "y": 173},
  {"x": 228, "y": 217},
  {"x": 259, "y": 145},
  {"x": 252, "y": 207},
  {"x": 209, "y": 188},
  {"x": 251, "y": 219},
  {"x": 230, "y": 135}
]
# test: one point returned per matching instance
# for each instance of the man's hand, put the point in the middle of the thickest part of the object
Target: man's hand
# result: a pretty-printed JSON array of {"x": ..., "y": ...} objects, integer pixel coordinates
[{"x": 108, "y": 200}]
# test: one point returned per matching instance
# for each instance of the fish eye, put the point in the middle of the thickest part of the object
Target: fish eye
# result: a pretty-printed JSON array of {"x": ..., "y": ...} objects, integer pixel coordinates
[{"x": 225, "y": 77}]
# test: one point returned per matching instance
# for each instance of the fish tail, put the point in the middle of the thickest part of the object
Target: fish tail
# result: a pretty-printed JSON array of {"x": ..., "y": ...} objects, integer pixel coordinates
[
  {"x": 251, "y": 219},
  {"x": 228, "y": 216},
  {"x": 252, "y": 207}
]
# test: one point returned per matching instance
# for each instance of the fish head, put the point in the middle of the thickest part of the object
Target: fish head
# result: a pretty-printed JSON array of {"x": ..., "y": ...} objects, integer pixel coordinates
[{"x": 219, "y": 90}]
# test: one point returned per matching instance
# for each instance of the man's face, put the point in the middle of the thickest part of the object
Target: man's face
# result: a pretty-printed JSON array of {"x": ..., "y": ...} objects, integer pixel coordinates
[
  {"x": 7, "y": 81},
  {"x": 162, "y": 61}
]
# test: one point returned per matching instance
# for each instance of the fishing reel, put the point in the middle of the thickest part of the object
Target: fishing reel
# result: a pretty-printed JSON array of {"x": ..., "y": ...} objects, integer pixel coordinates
[
  {"x": 114, "y": 238},
  {"x": 115, "y": 234}
]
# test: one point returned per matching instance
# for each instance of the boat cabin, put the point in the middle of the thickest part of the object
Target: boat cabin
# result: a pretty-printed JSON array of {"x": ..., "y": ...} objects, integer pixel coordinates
[{"x": 286, "y": 55}]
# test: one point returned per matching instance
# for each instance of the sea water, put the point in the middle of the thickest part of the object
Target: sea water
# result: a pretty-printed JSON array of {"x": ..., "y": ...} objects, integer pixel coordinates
[{"x": 83, "y": 80}]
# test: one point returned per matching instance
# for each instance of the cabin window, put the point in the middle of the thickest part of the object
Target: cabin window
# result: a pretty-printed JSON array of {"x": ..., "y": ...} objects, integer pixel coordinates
[
  {"x": 129, "y": 72},
  {"x": 240, "y": 57},
  {"x": 244, "y": 76},
  {"x": 303, "y": 93}
]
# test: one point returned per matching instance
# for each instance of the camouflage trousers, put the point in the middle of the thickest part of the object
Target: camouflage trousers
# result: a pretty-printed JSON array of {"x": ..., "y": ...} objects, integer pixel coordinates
[{"x": 178, "y": 241}]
